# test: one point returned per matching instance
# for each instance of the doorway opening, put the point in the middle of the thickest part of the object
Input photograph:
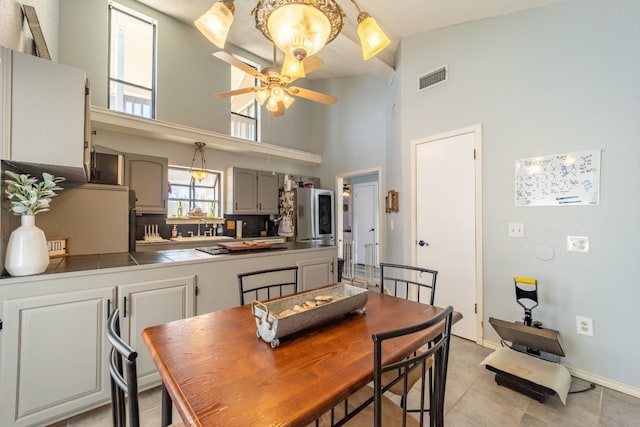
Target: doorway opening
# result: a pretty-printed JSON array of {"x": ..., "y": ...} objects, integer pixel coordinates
[{"x": 359, "y": 208}]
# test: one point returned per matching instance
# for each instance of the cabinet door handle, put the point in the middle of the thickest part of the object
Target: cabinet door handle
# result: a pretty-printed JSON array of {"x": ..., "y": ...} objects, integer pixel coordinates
[
  {"x": 108, "y": 307},
  {"x": 124, "y": 308}
]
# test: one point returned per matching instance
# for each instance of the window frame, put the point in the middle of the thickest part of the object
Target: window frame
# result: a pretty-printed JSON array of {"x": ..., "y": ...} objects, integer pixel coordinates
[
  {"x": 258, "y": 118},
  {"x": 154, "y": 67},
  {"x": 191, "y": 201}
]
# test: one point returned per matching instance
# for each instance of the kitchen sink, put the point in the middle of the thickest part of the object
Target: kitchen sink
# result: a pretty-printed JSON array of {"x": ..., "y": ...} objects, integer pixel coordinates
[{"x": 200, "y": 238}]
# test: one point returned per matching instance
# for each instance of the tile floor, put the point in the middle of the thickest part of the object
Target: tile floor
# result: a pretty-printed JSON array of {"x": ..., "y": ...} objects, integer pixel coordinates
[{"x": 473, "y": 399}]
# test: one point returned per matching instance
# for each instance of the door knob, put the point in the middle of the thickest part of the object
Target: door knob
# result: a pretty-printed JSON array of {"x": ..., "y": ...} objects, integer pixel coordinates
[
  {"x": 372, "y": 229},
  {"x": 423, "y": 243}
]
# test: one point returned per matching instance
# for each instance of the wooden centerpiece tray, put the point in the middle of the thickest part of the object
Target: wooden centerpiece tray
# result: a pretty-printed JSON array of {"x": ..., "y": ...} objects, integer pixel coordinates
[{"x": 284, "y": 316}]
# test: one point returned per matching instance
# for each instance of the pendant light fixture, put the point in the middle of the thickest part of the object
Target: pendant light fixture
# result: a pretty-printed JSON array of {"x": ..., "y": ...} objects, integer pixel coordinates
[
  {"x": 299, "y": 28},
  {"x": 216, "y": 22},
  {"x": 201, "y": 172}
]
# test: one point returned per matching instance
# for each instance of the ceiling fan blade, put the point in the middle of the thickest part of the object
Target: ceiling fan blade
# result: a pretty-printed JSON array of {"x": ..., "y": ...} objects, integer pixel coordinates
[
  {"x": 235, "y": 92},
  {"x": 232, "y": 60},
  {"x": 312, "y": 63},
  {"x": 312, "y": 95}
]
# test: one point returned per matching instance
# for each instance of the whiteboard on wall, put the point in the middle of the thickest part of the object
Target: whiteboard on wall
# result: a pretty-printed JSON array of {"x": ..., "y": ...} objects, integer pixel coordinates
[{"x": 559, "y": 180}]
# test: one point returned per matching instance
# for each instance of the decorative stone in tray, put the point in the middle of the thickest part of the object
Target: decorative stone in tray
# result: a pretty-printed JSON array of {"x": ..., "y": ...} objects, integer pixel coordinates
[{"x": 285, "y": 316}]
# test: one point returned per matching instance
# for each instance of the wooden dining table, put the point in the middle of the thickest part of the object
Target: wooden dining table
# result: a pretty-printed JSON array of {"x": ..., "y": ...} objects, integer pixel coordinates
[{"x": 218, "y": 372}]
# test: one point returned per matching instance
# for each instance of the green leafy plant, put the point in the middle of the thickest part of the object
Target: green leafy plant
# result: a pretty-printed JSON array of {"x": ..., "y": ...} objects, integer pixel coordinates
[{"x": 27, "y": 195}]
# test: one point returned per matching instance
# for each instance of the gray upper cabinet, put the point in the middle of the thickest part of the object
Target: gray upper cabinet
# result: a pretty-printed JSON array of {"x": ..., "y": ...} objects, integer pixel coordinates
[
  {"x": 267, "y": 193},
  {"x": 148, "y": 176},
  {"x": 44, "y": 114},
  {"x": 251, "y": 192}
]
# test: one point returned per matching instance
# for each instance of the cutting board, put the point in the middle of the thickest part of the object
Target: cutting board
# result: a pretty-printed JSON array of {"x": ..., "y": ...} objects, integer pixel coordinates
[{"x": 243, "y": 246}]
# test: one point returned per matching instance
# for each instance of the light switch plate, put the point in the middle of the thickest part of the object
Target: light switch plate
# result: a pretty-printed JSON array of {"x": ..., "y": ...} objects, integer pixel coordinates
[{"x": 578, "y": 244}]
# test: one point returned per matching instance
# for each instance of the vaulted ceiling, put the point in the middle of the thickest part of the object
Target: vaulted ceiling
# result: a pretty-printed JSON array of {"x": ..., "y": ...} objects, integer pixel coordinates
[{"x": 342, "y": 57}]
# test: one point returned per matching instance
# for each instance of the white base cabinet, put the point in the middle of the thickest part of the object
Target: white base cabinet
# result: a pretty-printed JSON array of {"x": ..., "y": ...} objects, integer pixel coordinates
[
  {"x": 153, "y": 303},
  {"x": 54, "y": 356},
  {"x": 314, "y": 273}
]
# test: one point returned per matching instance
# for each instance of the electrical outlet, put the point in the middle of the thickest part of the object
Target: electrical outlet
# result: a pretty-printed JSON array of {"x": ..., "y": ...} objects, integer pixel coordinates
[
  {"x": 584, "y": 326},
  {"x": 578, "y": 244},
  {"x": 516, "y": 229}
]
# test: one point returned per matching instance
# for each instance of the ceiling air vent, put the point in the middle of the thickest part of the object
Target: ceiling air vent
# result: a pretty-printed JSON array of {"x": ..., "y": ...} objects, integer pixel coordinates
[{"x": 432, "y": 78}]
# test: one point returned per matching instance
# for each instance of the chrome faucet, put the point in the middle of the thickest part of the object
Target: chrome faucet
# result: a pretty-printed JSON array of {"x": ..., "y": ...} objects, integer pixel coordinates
[{"x": 205, "y": 225}]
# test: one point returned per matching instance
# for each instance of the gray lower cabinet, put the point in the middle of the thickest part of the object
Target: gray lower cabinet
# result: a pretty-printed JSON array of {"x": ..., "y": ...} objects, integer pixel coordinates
[
  {"x": 153, "y": 303},
  {"x": 54, "y": 352},
  {"x": 53, "y": 356},
  {"x": 317, "y": 272}
]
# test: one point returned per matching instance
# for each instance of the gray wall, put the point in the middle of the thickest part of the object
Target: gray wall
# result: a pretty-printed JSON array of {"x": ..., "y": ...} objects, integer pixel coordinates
[
  {"x": 188, "y": 75},
  {"x": 551, "y": 80}
]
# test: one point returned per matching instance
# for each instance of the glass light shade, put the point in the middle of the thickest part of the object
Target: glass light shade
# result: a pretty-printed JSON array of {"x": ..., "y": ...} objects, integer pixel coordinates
[
  {"x": 299, "y": 29},
  {"x": 199, "y": 174},
  {"x": 272, "y": 105},
  {"x": 277, "y": 93},
  {"x": 292, "y": 68},
  {"x": 215, "y": 23},
  {"x": 372, "y": 39},
  {"x": 287, "y": 100},
  {"x": 261, "y": 96}
]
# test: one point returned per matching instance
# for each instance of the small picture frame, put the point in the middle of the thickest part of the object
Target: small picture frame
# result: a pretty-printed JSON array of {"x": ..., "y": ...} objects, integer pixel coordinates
[
  {"x": 36, "y": 31},
  {"x": 392, "y": 201}
]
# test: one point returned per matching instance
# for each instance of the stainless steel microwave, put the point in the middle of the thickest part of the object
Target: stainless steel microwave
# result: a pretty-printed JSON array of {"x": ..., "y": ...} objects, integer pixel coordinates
[{"x": 107, "y": 168}]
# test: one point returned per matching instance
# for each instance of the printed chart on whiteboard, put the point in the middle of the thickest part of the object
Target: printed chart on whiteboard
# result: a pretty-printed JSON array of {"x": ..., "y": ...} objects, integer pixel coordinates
[{"x": 559, "y": 180}]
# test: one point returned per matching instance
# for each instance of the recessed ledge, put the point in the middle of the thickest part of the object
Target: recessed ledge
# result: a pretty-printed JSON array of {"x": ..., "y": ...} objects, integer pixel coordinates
[{"x": 105, "y": 119}]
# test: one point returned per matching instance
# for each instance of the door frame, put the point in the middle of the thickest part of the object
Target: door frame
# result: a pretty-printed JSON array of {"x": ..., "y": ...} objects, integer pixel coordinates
[
  {"x": 338, "y": 200},
  {"x": 477, "y": 131}
]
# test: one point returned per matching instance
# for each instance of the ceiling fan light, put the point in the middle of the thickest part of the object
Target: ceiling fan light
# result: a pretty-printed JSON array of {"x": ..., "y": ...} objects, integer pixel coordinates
[
  {"x": 287, "y": 100},
  {"x": 261, "y": 96},
  {"x": 277, "y": 93},
  {"x": 272, "y": 105},
  {"x": 292, "y": 67},
  {"x": 299, "y": 29},
  {"x": 372, "y": 39},
  {"x": 215, "y": 23}
]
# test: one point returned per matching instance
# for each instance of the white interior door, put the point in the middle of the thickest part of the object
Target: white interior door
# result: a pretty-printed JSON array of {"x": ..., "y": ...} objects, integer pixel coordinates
[
  {"x": 365, "y": 218},
  {"x": 445, "y": 172}
]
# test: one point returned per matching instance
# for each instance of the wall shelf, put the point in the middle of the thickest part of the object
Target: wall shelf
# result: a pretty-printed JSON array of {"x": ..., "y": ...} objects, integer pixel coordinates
[{"x": 105, "y": 119}]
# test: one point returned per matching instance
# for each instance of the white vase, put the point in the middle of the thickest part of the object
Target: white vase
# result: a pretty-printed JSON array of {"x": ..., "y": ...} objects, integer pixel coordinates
[{"x": 27, "y": 251}]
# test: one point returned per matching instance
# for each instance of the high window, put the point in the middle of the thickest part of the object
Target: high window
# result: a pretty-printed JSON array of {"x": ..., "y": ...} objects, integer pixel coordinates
[
  {"x": 244, "y": 108},
  {"x": 190, "y": 193},
  {"x": 132, "y": 62}
]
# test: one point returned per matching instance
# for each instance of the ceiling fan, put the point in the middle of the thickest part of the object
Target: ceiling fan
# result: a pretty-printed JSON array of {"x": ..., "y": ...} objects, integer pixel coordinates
[{"x": 274, "y": 86}]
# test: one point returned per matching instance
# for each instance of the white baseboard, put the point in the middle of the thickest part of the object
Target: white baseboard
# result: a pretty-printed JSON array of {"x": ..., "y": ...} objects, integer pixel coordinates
[{"x": 587, "y": 376}]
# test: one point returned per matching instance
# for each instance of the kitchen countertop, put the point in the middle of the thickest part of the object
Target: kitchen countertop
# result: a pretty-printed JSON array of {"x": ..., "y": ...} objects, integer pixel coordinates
[{"x": 76, "y": 263}]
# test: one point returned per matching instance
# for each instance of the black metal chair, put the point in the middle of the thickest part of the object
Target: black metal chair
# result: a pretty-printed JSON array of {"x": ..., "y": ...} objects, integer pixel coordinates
[
  {"x": 370, "y": 407},
  {"x": 124, "y": 377},
  {"x": 412, "y": 283},
  {"x": 408, "y": 282},
  {"x": 267, "y": 284}
]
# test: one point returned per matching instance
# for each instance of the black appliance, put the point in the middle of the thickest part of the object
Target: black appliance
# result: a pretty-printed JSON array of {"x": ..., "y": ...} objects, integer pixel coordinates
[{"x": 107, "y": 168}]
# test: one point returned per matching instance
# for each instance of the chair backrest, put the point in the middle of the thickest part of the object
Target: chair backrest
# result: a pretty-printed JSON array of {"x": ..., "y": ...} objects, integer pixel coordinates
[
  {"x": 123, "y": 371},
  {"x": 408, "y": 282},
  {"x": 438, "y": 349},
  {"x": 267, "y": 284}
]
